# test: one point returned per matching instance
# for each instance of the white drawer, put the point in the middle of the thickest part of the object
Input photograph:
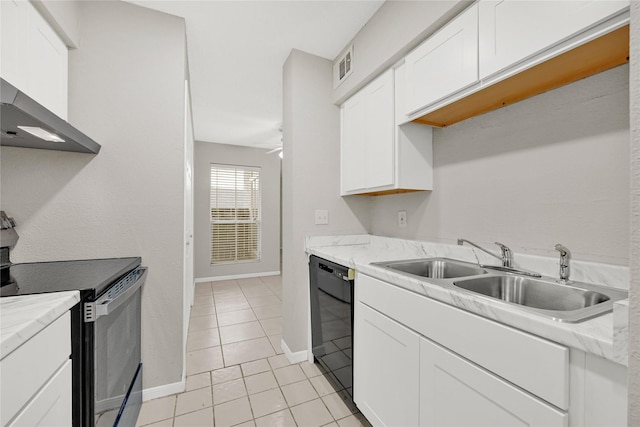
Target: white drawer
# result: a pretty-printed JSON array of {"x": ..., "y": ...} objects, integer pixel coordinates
[
  {"x": 535, "y": 364},
  {"x": 51, "y": 407},
  {"x": 30, "y": 366}
]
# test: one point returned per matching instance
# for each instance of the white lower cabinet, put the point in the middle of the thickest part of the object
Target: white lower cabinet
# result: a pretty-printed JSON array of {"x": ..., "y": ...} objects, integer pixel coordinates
[
  {"x": 420, "y": 362},
  {"x": 386, "y": 366},
  {"x": 456, "y": 392}
]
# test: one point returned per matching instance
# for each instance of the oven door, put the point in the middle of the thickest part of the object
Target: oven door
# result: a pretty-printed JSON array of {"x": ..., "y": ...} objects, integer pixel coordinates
[{"x": 117, "y": 364}]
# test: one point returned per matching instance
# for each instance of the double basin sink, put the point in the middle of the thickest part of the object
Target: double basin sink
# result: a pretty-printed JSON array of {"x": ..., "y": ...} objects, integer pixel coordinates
[{"x": 571, "y": 302}]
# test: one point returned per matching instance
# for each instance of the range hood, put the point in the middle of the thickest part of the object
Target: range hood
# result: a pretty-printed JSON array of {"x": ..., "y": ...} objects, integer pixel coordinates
[{"x": 22, "y": 118}]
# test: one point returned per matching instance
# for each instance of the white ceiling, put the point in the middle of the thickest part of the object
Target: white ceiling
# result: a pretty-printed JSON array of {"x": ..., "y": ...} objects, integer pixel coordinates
[{"x": 236, "y": 53}]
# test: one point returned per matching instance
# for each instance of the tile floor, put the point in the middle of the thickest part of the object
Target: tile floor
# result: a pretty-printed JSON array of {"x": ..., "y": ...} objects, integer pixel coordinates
[{"x": 236, "y": 372}]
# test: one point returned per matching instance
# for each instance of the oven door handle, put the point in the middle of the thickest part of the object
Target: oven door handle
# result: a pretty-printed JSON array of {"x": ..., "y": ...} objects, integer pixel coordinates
[{"x": 106, "y": 304}]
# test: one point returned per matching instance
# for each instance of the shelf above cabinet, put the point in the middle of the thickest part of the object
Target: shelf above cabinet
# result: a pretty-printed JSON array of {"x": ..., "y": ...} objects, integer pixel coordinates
[{"x": 600, "y": 54}]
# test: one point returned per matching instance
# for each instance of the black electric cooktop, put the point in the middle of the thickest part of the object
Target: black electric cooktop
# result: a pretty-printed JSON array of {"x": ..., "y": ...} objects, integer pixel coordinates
[{"x": 91, "y": 276}]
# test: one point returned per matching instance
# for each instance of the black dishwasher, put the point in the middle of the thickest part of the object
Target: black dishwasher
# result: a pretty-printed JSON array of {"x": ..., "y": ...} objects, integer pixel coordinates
[{"x": 331, "y": 293}]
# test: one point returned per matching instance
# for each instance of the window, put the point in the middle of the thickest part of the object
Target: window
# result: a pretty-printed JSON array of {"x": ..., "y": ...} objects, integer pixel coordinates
[{"x": 235, "y": 213}]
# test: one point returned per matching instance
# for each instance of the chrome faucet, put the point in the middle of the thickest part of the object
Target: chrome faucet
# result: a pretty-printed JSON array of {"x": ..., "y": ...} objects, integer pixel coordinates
[
  {"x": 507, "y": 255},
  {"x": 565, "y": 257}
]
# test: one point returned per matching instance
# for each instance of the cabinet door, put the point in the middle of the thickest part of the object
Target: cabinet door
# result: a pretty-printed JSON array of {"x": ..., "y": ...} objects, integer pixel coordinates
[
  {"x": 445, "y": 63},
  {"x": 456, "y": 392},
  {"x": 13, "y": 15},
  {"x": 379, "y": 125},
  {"x": 386, "y": 363},
  {"x": 512, "y": 30},
  {"x": 48, "y": 62},
  {"x": 352, "y": 145}
]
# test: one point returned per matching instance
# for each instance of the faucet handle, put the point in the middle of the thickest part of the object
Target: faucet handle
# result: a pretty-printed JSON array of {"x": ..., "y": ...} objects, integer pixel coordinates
[
  {"x": 507, "y": 255},
  {"x": 564, "y": 252}
]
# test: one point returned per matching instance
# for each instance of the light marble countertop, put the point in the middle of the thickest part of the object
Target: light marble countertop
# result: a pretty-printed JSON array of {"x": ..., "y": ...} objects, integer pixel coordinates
[
  {"x": 597, "y": 336},
  {"x": 22, "y": 317}
]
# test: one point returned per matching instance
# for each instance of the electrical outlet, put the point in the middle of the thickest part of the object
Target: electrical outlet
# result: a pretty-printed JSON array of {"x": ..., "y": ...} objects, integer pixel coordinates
[
  {"x": 402, "y": 219},
  {"x": 322, "y": 217}
]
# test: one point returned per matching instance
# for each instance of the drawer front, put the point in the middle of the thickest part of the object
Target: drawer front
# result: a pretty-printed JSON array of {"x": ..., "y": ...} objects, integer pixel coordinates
[
  {"x": 51, "y": 407},
  {"x": 29, "y": 367},
  {"x": 535, "y": 364}
]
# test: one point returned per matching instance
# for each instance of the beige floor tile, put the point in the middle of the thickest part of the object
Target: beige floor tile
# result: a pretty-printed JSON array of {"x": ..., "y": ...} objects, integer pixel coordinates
[
  {"x": 357, "y": 420},
  {"x": 202, "y": 300},
  {"x": 236, "y": 296},
  {"x": 247, "y": 424},
  {"x": 267, "y": 402},
  {"x": 198, "y": 381},
  {"x": 241, "y": 332},
  {"x": 156, "y": 410},
  {"x": 232, "y": 413},
  {"x": 278, "y": 361},
  {"x": 312, "y": 369},
  {"x": 289, "y": 374},
  {"x": 277, "y": 419},
  {"x": 207, "y": 359},
  {"x": 201, "y": 418},
  {"x": 246, "y": 351},
  {"x": 197, "y": 340},
  {"x": 250, "y": 281},
  {"x": 276, "y": 342},
  {"x": 333, "y": 424},
  {"x": 272, "y": 280},
  {"x": 299, "y": 392},
  {"x": 227, "y": 306},
  {"x": 272, "y": 326},
  {"x": 203, "y": 287},
  {"x": 260, "y": 290},
  {"x": 268, "y": 311},
  {"x": 338, "y": 405},
  {"x": 203, "y": 322},
  {"x": 255, "y": 367},
  {"x": 311, "y": 414},
  {"x": 163, "y": 423},
  {"x": 260, "y": 382},
  {"x": 223, "y": 286},
  {"x": 193, "y": 401},
  {"x": 322, "y": 385},
  {"x": 235, "y": 317},
  {"x": 230, "y": 390},
  {"x": 203, "y": 310},
  {"x": 262, "y": 301},
  {"x": 226, "y": 374}
]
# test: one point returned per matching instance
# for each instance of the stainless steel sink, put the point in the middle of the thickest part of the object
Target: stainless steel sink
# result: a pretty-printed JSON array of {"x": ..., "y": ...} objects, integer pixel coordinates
[
  {"x": 569, "y": 303},
  {"x": 434, "y": 268},
  {"x": 573, "y": 302}
]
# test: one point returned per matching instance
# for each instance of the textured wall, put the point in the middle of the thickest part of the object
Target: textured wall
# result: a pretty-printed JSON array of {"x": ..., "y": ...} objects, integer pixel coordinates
[
  {"x": 311, "y": 180},
  {"x": 550, "y": 169},
  {"x": 634, "y": 303},
  {"x": 126, "y": 90},
  {"x": 207, "y": 153}
]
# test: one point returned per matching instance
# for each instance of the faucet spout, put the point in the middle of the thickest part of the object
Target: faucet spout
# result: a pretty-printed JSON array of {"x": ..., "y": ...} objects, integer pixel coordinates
[
  {"x": 507, "y": 255},
  {"x": 565, "y": 257}
]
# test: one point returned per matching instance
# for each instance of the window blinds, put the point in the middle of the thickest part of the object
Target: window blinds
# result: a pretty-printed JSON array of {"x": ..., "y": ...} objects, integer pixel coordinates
[{"x": 236, "y": 212}]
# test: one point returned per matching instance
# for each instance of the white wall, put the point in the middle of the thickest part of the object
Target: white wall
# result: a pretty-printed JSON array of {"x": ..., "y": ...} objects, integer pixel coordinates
[
  {"x": 395, "y": 29},
  {"x": 550, "y": 169},
  {"x": 311, "y": 180},
  {"x": 126, "y": 90},
  {"x": 207, "y": 153},
  {"x": 63, "y": 16},
  {"x": 634, "y": 303}
]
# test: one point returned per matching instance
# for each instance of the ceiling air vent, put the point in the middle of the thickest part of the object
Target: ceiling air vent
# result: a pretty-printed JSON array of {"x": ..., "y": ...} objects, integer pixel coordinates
[{"x": 343, "y": 67}]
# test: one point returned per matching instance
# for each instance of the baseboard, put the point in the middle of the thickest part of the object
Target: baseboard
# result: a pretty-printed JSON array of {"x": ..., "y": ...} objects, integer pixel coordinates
[
  {"x": 297, "y": 357},
  {"x": 163, "y": 390},
  {"x": 237, "y": 276}
]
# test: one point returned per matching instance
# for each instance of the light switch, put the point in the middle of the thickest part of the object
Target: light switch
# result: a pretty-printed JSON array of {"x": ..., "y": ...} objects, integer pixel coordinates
[{"x": 322, "y": 217}]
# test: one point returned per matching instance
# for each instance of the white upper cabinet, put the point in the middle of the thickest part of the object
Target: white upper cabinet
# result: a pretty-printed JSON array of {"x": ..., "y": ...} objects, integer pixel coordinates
[
  {"x": 511, "y": 30},
  {"x": 377, "y": 155},
  {"x": 34, "y": 58},
  {"x": 444, "y": 63}
]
